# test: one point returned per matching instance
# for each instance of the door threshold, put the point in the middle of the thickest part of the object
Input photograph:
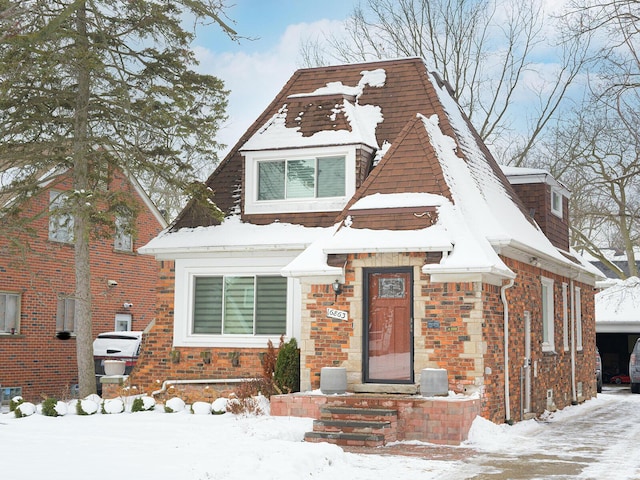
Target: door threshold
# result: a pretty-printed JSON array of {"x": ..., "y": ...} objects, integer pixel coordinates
[{"x": 403, "y": 388}]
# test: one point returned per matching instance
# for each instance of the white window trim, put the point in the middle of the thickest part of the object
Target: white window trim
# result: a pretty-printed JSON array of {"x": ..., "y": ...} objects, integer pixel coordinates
[
  {"x": 253, "y": 206},
  {"x": 557, "y": 212},
  {"x": 122, "y": 239},
  {"x": 18, "y": 313},
  {"x": 565, "y": 317},
  {"x": 186, "y": 271},
  {"x": 549, "y": 345},
  {"x": 578, "y": 307},
  {"x": 57, "y": 232}
]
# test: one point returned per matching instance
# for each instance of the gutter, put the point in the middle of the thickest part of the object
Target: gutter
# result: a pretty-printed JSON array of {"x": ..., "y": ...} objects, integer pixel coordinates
[{"x": 507, "y": 399}]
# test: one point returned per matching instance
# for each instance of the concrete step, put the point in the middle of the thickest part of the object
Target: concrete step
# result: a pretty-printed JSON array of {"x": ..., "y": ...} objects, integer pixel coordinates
[
  {"x": 351, "y": 426},
  {"x": 346, "y": 439},
  {"x": 354, "y": 426},
  {"x": 358, "y": 413}
]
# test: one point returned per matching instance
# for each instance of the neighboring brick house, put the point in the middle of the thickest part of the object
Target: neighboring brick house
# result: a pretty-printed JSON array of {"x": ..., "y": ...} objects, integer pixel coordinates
[
  {"x": 37, "y": 286},
  {"x": 370, "y": 176}
]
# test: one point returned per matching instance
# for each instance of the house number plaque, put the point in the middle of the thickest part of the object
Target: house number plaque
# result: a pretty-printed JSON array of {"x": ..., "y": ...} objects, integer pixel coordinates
[{"x": 338, "y": 314}]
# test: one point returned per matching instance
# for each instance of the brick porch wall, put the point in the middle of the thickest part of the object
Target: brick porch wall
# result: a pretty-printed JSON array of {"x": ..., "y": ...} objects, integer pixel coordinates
[{"x": 443, "y": 421}]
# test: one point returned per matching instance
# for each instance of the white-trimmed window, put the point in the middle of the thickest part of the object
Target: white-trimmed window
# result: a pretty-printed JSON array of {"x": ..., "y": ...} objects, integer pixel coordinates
[
  {"x": 547, "y": 315},
  {"x": 578, "y": 301},
  {"x": 123, "y": 239},
  {"x": 301, "y": 180},
  {"x": 556, "y": 202},
  {"x": 235, "y": 300},
  {"x": 65, "y": 317},
  {"x": 9, "y": 312},
  {"x": 240, "y": 305},
  {"x": 565, "y": 316},
  {"x": 60, "y": 219}
]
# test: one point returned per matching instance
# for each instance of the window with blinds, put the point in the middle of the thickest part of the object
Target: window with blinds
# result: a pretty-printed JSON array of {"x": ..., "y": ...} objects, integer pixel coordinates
[
  {"x": 65, "y": 317},
  {"x": 240, "y": 305},
  {"x": 318, "y": 177}
]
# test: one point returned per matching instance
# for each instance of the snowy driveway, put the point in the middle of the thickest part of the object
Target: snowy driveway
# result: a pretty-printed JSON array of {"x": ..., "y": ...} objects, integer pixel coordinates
[{"x": 597, "y": 440}]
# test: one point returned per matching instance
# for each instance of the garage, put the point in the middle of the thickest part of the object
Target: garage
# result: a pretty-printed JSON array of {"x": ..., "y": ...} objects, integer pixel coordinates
[{"x": 617, "y": 325}]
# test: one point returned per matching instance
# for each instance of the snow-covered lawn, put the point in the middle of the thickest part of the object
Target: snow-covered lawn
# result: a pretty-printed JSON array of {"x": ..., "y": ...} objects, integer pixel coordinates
[{"x": 185, "y": 446}]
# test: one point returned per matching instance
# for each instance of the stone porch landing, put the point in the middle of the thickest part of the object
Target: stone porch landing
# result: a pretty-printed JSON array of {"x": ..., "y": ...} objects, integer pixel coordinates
[{"x": 439, "y": 420}]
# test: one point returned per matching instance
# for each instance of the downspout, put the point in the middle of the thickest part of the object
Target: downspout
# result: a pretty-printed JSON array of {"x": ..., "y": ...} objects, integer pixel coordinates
[
  {"x": 574, "y": 397},
  {"x": 507, "y": 399}
]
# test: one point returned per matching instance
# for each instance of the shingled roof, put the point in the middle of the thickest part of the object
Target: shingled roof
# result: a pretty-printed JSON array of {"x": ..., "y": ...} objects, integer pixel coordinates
[
  {"x": 318, "y": 100},
  {"x": 425, "y": 181}
]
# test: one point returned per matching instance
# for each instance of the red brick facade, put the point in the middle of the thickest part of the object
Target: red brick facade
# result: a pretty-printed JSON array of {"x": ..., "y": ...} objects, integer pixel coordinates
[
  {"x": 33, "y": 358},
  {"x": 537, "y": 199},
  {"x": 160, "y": 361},
  {"x": 458, "y": 327}
]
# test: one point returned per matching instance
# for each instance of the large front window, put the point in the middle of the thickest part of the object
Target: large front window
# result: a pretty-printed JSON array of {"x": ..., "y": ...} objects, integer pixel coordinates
[
  {"x": 320, "y": 177},
  {"x": 240, "y": 305}
]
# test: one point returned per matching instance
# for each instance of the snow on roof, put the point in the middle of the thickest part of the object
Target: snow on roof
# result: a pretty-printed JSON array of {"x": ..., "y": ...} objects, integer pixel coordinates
[
  {"x": 233, "y": 234},
  {"x": 363, "y": 120},
  {"x": 519, "y": 175},
  {"x": 620, "y": 302},
  {"x": 462, "y": 249},
  {"x": 477, "y": 191}
]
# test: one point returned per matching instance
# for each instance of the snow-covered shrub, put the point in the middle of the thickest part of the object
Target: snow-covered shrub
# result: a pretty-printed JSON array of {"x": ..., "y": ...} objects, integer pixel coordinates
[
  {"x": 49, "y": 407},
  {"x": 25, "y": 409},
  {"x": 113, "y": 405},
  {"x": 94, "y": 398},
  {"x": 219, "y": 406},
  {"x": 174, "y": 404},
  {"x": 61, "y": 408},
  {"x": 201, "y": 408},
  {"x": 14, "y": 402},
  {"x": 86, "y": 407},
  {"x": 142, "y": 404}
]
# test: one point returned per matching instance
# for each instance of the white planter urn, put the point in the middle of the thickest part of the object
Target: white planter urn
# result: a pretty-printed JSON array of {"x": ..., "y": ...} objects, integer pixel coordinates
[
  {"x": 434, "y": 382},
  {"x": 333, "y": 380},
  {"x": 114, "y": 367}
]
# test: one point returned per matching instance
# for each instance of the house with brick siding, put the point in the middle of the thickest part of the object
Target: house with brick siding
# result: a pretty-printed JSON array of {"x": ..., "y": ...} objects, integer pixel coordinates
[
  {"x": 365, "y": 217},
  {"x": 37, "y": 283}
]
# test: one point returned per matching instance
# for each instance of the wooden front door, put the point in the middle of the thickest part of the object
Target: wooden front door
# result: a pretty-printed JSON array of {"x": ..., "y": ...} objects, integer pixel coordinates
[{"x": 388, "y": 333}]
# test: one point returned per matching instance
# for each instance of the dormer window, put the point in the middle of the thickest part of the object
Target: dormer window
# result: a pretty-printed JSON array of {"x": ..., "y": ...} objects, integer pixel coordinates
[
  {"x": 319, "y": 177},
  {"x": 304, "y": 180},
  {"x": 556, "y": 202}
]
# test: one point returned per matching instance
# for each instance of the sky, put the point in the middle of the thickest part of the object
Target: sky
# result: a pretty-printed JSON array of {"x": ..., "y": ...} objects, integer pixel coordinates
[{"x": 255, "y": 69}]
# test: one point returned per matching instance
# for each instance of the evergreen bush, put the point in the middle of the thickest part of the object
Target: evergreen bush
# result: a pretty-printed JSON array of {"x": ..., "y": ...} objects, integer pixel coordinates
[
  {"x": 287, "y": 371},
  {"x": 49, "y": 407}
]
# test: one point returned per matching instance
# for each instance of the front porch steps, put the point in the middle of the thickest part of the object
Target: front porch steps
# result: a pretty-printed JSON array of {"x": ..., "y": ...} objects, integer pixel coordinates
[{"x": 354, "y": 426}]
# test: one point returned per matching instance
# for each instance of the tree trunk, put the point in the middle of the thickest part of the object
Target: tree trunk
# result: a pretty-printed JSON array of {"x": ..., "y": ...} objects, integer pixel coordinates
[{"x": 84, "y": 334}]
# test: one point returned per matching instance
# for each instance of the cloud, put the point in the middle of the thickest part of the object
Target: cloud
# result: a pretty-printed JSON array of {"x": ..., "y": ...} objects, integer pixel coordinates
[{"x": 254, "y": 79}]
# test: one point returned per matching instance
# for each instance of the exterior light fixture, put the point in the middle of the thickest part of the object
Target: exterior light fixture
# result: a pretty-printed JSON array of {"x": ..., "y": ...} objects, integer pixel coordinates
[{"x": 337, "y": 288}]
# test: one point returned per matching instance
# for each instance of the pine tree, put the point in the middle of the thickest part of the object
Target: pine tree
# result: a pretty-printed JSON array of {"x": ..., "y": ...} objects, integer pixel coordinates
[{"x": 87, "y": 86}]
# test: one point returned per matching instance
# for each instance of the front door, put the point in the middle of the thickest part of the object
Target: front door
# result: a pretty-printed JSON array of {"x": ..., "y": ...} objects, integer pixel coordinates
[{"x": 388, "y": 333}]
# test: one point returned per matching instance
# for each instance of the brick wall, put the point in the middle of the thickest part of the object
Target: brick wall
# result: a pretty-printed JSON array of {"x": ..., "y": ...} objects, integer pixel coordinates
[
  {"x": 537, "y": 199},
  {"x": 160, "y": 361},
  {"x": 550, "y": 370},
  {"x": 457, "y": 326},
  {"x": 34, "y": 358}
]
